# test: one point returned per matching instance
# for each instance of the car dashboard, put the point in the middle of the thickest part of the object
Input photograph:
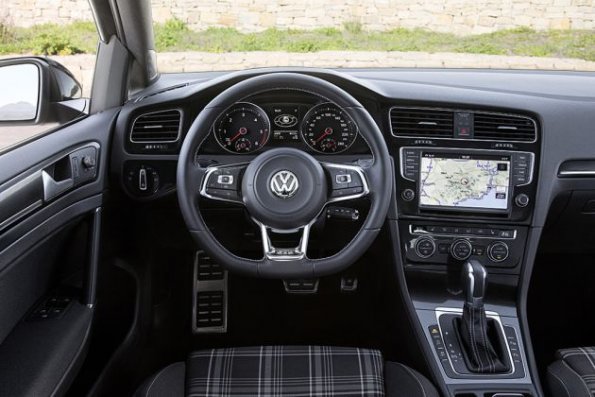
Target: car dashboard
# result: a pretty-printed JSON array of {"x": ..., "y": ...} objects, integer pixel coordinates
[{"x": 527, "y": 135}]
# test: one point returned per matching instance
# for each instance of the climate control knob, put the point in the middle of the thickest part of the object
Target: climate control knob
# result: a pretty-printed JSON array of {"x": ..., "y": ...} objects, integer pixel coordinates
[
  {"x": 498, "y": 251},
  {"x": 461, "y": 249},
  {"x": 425, "y": 247}
]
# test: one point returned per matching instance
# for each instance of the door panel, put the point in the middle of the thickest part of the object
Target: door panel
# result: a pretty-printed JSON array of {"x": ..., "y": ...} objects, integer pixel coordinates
[{"x": 51, "y": 193}]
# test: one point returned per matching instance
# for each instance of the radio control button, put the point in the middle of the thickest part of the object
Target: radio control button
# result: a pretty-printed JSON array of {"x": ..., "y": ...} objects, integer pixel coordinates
[
  {"x": 506, "y": 233},
  {"x": 522, "y": 200},
  {"x": 408, "y": 195},
  {"x": 425, "y": 247},
  {"x": 461, "y": 249},
  {"x": 498, "y": 251}
]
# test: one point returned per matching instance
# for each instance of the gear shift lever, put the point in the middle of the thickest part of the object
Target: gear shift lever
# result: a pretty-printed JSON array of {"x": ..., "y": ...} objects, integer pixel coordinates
[
  {"x": 473, "y": 327},
  {"x": 474, "y": 282}
]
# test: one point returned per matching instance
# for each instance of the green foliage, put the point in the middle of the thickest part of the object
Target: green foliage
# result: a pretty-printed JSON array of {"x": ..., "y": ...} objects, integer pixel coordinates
[
  {"x": 352, "y": 27},
  {"x": 50, "y": 39},
  {"x": 54, "y": 44},
  {"x": 175, "y": 35},
  {"x": 170, "y": 33}
]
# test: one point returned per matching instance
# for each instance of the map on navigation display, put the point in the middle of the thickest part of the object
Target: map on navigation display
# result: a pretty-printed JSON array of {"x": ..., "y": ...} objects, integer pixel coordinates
[{"x": 464, "y": 182}]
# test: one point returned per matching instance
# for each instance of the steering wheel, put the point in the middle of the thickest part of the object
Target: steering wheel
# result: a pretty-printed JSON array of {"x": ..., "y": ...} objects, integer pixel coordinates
[{"x": 284, "y": 190}]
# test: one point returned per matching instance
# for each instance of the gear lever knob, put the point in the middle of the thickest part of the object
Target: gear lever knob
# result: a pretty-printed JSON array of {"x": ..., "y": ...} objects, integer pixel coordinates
[{"x": 473, "y": 277}]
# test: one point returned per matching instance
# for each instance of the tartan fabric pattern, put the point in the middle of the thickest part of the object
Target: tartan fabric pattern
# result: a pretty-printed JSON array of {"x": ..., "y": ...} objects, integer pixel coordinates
[
  {"x": 288, "y": 371},
  {"x": 582, "y": 361}
]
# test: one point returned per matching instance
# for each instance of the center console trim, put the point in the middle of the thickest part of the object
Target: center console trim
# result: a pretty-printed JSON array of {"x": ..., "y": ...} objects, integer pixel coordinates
[
  {"x": 428, "y": 317},
  {"x": 414, "y": 232},
  {"x": 441, "y": 311}
]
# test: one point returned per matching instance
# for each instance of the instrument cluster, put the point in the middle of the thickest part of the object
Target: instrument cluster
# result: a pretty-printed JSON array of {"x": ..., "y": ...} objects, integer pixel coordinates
[{"x": 246, "y": 127}]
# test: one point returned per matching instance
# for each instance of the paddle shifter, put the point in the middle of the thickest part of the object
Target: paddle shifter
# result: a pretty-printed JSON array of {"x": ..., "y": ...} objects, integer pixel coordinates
[{"x": 479, "y": 336}]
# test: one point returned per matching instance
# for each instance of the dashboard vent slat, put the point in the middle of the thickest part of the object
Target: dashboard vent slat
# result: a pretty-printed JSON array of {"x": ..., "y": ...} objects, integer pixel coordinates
[
  {"x": 162, "y": 126},
  {"x": 503, "y": 127},
  {"x": 421, "y": 122}
]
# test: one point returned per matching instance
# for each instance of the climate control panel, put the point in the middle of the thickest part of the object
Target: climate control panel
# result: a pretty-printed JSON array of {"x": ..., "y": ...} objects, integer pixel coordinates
[{"x": 498, "y": 246}]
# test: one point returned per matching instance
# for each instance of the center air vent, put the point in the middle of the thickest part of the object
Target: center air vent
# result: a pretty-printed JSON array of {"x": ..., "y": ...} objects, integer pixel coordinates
[
  {"x": 503, "y": 127},
  {"x": 429, "y": 123},
  {"x": 157, "y": 127}
]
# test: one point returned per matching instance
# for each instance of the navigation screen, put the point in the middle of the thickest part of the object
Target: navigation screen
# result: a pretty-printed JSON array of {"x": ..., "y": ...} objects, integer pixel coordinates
[{"x": 463, "y": 181}]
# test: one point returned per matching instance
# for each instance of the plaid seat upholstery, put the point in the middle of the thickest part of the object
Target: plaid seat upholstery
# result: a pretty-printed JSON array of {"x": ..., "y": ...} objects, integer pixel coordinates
[
  {"x": 574, "y": 372},
  {"x": 285, "y": 371}
]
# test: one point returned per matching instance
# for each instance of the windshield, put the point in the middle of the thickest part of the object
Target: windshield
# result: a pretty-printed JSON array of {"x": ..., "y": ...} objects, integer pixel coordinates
[{"x": 233, "y": 35}]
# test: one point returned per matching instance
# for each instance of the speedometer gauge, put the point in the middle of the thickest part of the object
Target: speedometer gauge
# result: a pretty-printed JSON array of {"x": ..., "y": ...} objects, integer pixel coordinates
[
  {"x": 328, "y": 129},
  {"x": 243, "y": 128}
]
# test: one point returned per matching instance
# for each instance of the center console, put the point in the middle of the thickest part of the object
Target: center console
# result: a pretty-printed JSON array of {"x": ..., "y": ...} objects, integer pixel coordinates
[{"x": 465, "y": 205}]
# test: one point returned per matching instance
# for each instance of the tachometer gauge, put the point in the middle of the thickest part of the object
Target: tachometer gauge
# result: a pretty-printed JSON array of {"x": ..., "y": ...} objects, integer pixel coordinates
[
  {"x": 328, "y": 129},
  {"x": 243, "y": 128}
]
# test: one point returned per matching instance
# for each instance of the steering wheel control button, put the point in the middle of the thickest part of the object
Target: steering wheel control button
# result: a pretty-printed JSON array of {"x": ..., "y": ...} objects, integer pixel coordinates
[
  {"x": 522, "y": 200},
  {"x": 224, "y": 194},
  {"x": 498, "y": 251},
  {"x": 343, "y": 179},
  {"x": 224, "y": 178},
  {"x": 425, "y": 247},
  {"x": 408, "y": 195},
  {"x": 350, "y": 214},
  {"x": 351, "y": 191},
  {"x": 461, "y": 249}
]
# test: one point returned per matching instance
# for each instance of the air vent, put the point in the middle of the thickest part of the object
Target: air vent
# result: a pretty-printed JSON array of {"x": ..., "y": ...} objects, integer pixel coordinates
[
  {"x": 503, "y": 127},
  {"x": 157, "y": 127},
  {"x": 429, "y": 123}
]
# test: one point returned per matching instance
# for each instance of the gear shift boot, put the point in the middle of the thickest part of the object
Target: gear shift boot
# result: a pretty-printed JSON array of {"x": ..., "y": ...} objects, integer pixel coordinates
[{"x": 482, "y": 343}]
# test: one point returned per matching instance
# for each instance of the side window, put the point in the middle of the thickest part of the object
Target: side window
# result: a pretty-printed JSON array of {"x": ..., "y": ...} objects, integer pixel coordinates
[{"x": 46, "y": 70}]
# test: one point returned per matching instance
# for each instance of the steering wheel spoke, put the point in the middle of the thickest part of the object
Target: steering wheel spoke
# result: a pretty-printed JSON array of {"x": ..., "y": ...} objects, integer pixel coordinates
[
  {"x": 284, "y": 254},
  {"x": 347, "y": 182},
  {"x": 223, "y": 183}
]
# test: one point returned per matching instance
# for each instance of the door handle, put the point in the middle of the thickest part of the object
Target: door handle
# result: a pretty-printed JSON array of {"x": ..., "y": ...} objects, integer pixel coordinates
[{"x": 53, "y": 188}]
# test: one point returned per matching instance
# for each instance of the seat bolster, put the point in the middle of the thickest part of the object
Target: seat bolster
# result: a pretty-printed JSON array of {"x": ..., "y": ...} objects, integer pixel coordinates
[
  {"x": 402, "y": 381},
  {"x": 169, "y": 382},
  {"x": 563, "y": 381}
]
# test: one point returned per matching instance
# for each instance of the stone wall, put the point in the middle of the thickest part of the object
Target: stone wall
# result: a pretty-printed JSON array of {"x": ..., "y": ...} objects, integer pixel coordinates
[{"x": 458, "y": 16}]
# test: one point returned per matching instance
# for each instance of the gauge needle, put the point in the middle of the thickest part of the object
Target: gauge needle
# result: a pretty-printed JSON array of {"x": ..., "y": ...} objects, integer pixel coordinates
[
  {"x": 241, "y": 131},
  {"x": 327, "y": 131}
]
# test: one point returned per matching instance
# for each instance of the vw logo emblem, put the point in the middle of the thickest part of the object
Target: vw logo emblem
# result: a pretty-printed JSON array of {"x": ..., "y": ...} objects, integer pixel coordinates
[{"x": 284, "y": 184}]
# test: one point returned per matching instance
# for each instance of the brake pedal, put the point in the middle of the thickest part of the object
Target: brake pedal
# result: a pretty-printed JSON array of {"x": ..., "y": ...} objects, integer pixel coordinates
[{"x": 209, "y": 308}]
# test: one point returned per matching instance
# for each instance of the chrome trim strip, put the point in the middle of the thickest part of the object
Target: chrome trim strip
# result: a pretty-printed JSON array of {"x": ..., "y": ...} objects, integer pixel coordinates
[
  {"x": 579, "y": 173},
  {"x": 462, "y": 111},
  {"x": 299, "y": 251},
  {"x": 156, "y": 112}
]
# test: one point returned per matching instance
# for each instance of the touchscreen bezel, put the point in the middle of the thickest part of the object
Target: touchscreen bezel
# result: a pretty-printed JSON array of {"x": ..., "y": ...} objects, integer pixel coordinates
[{"x": 467, "y": 156}]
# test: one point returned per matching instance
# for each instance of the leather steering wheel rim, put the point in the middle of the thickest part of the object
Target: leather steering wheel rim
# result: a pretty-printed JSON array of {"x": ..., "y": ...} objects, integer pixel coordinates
[{"x": 378, "y": 175}]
